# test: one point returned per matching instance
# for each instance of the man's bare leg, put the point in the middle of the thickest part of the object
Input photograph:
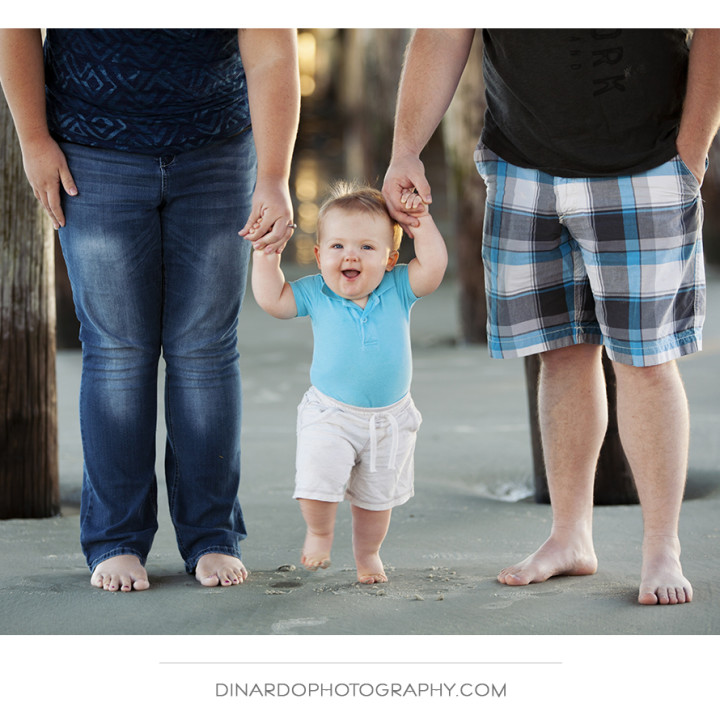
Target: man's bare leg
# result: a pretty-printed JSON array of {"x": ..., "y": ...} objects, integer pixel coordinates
[
  {"x": 121, "y": 572},
  {"x": 320, "y": 520},
  {"x": 369, "y": 530},
  {"x": 572, "y": 409},
  {"x": 654, "y": 427},
  {"x": 219, "y": 569}
]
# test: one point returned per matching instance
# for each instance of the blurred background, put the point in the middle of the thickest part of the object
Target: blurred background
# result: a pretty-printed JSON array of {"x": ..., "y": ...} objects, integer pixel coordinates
[{"x": 349, "y": 80}]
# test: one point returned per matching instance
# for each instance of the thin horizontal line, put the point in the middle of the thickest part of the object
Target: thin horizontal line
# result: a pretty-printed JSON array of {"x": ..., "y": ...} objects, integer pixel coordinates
[{"x": 351, "y": 662}]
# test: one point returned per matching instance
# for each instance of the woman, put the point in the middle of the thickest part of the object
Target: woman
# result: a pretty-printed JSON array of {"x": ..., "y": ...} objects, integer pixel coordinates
[{"x": 149, "y": 149}]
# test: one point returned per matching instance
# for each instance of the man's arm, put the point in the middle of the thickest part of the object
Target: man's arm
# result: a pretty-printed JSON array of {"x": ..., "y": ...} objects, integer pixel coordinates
[
  {"x": 23, "y": 80},
  {"x": 271, "y": 68},
  {"x": 272, "y": 293},
  {"x": 701, "y": 111},
  {"x": 433, "y": 66}
]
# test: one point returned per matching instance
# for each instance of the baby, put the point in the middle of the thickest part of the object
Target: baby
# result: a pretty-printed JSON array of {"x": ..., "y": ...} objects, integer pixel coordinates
[{"x": 357, "y": 424}]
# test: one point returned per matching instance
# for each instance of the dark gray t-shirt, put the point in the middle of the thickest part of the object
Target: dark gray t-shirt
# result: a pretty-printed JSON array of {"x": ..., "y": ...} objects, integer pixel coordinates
[{"x": 584, "y": 103}]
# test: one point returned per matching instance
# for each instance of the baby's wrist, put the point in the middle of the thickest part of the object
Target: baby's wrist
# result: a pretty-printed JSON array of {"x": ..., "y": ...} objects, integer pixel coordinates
[{"x": 263, "y": 252}]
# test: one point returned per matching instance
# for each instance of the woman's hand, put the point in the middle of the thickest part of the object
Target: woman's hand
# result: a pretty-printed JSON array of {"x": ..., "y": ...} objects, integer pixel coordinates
[
  {"x": 270, "y": 224},
  {"x": 47, "y": 171}
]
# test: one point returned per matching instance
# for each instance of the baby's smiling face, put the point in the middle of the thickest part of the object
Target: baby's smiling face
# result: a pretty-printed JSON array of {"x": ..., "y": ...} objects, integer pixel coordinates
[{"x": 354, "y": 251}]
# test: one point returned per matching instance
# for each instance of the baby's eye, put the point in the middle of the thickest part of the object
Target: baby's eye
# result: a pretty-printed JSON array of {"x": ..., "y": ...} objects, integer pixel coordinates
[
  {"x": 368, "y": 247},
  {"x": 336, "y": 246}
]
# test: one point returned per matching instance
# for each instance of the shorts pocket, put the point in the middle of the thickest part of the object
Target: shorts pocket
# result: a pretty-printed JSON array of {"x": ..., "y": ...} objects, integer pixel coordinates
[
  {"x": 414, "y": 418},
  {"x": 312, "y": 411},
  {"x": 692, "y": 182},
  {"x": 486, "y": 162}
]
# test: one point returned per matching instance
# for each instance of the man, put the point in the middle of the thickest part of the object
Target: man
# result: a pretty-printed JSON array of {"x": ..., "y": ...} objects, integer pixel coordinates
[{"x": 593, "y": 152}]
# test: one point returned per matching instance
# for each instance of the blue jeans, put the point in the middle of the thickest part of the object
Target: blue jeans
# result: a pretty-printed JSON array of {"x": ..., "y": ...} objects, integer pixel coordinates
[{"x": 156, "y": 266}]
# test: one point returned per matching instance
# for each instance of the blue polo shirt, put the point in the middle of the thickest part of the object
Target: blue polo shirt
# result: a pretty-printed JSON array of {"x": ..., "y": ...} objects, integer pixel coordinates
[{"x": 361, "y": 356}]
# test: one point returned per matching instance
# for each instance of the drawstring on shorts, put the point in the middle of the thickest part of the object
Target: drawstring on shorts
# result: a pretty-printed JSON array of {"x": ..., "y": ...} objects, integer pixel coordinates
[{"x": 373, "y": 440}]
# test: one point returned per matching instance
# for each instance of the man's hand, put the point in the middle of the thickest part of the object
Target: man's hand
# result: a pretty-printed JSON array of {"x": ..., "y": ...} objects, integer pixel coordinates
[
  {"x": 701, "y": 108},
  {"x": 404, "y": 177}
]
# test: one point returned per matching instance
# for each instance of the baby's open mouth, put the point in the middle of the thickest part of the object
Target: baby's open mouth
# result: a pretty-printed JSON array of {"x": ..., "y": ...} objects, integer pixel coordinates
[{"x": 350, "y": 273}]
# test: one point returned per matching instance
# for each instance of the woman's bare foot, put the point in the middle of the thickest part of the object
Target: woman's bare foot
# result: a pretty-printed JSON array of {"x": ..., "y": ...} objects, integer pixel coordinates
[
  {"x": 316, "y": 551},
  {"x": 552, "y": 558},
  {"x": 662, "y": 581},
  {"x": 218, "y": 569},
  {"x": 370, "y": 569},
  {"x": 121, "y": 572}
]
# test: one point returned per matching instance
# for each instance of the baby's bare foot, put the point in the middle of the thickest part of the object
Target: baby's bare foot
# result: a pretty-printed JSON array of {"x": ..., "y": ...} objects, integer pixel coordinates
[
  {"x": 218, "y": 569},
  {"x": 316, "y": 551},
  {"x": 551, "y": 559},
  {"x": 314, "y": 563},
  {"x": 121, "y": 572},
  {"x": 662, "y": 581},
  {"x": 370, "y": 569}
]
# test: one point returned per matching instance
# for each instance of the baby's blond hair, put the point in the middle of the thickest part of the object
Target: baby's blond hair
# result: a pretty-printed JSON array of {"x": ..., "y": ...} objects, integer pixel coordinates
[{"x": 350, "y": 196}]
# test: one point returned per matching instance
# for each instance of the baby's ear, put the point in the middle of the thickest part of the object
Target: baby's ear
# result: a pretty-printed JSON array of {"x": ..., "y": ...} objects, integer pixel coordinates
[{"x": 392, "y": 260}]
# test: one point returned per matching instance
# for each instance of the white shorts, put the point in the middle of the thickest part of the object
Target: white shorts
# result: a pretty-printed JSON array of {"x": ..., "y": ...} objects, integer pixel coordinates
[{"x": 363, "y": 455}]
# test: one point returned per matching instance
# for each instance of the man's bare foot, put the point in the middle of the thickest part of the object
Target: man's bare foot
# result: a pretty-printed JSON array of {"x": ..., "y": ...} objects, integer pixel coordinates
[
  {"x": 551, "y": 559},
  {"x": 121, "y": 572},
  {"x": 218, "y": 569},
  {"x": 370, "y": 569},
  {"x": 662, "y": 581},
  {"x": 316, "y": 551}
]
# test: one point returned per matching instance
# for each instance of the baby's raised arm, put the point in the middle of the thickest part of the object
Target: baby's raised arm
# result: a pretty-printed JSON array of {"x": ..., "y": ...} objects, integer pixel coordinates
[
  {"x": 272, "y": 293},
  {"x": 427, "y": 268}
]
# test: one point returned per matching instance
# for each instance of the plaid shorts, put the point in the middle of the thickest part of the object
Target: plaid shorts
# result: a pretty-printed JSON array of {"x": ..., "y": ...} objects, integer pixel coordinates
[{"x": 612, "y": 261}]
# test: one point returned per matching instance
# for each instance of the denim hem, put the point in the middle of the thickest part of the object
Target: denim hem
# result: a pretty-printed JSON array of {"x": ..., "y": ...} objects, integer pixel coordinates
[
  {"x": 191, "y": 563},
  {"x": 114, "y": 553}
]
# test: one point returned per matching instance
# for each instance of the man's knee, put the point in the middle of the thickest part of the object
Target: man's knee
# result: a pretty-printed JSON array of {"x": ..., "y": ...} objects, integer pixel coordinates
[
  {"x": 570, "y": 356},
  {"x": 650, "y": 375}
]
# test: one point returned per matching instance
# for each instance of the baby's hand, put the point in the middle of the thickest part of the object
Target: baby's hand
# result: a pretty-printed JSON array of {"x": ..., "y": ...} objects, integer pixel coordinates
[
  {"x": 259, "y": 239},
  {"x": 413, "y": 203}
]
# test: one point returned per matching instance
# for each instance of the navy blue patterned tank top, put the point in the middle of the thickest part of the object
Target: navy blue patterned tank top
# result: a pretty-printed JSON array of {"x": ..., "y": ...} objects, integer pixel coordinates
[{"x": 145, "y": 91}]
